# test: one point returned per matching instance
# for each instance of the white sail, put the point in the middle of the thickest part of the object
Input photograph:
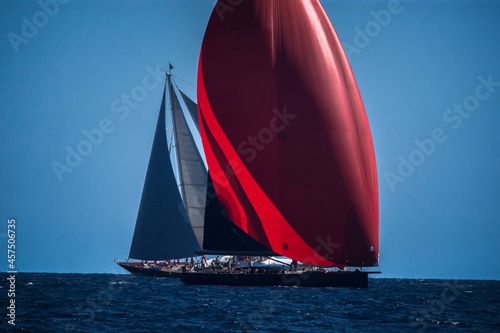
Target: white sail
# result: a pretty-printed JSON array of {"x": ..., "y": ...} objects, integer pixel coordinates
[{"x": 192, "y": 170}]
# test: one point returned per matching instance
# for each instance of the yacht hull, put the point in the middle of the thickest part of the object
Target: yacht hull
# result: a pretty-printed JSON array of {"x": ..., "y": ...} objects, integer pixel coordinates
[{"x": 290, "y": 279}]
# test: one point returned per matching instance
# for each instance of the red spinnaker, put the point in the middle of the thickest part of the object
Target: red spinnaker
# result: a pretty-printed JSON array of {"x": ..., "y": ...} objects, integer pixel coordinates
[{"x": 285, "y": 132}]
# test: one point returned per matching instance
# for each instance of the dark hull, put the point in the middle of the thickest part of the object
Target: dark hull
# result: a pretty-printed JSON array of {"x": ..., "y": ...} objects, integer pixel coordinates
[
  {"x": 140, "y": 271},
  {"x": 303, "y": 279},
  {"x": 306, "y": 279}
]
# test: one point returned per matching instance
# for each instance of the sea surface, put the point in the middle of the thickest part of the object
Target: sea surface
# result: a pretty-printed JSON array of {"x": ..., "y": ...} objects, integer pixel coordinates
[{"x": 125, "y": 303}]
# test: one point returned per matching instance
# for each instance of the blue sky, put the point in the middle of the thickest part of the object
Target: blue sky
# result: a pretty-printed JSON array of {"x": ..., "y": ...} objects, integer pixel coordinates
[{"x": 422, "y": 67}]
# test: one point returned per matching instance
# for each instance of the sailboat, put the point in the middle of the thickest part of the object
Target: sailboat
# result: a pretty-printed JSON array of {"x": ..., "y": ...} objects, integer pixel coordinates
[
  {"x": 291, "y": 162},
  {"x": 174, "y": 224}
]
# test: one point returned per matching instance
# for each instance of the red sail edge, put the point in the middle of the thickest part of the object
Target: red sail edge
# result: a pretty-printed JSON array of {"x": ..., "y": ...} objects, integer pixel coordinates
[{"x": 285, "y": 132}]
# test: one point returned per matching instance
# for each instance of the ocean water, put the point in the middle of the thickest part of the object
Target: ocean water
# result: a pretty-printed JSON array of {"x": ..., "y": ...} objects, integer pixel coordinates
[{"x": 124, "y": 303}]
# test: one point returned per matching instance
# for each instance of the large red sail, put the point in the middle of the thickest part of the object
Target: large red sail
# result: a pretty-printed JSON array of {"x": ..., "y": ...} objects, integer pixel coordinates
[{"x": 285, "y": 132}]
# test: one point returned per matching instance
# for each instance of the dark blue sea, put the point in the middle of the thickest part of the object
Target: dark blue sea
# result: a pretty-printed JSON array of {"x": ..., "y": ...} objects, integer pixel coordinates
[{"x": 124, "y": 303}]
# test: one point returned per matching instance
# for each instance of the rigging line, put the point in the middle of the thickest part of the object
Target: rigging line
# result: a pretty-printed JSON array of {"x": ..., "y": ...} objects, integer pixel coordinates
[
  {"x": 182, "y": 81},
  {"x": 241, "y": 238},
  {"x": 279, "y": 261}
]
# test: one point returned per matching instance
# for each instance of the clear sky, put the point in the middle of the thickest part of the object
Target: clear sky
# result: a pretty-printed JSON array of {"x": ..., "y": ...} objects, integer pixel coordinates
[{"x": 427, "y": 70}]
